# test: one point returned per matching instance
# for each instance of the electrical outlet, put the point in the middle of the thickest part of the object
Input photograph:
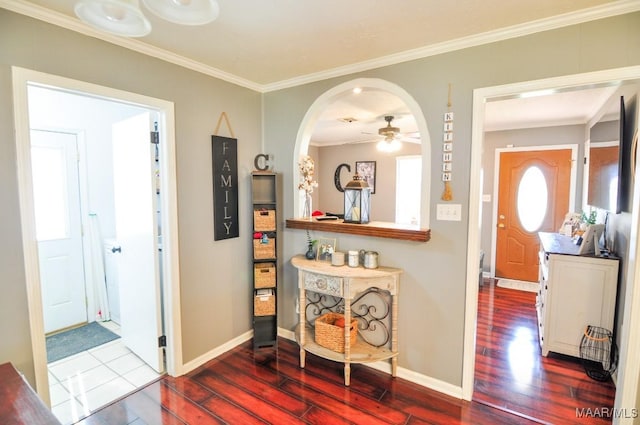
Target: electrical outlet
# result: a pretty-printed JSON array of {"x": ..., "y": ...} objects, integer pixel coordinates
[{"x": 449, "y": 212}]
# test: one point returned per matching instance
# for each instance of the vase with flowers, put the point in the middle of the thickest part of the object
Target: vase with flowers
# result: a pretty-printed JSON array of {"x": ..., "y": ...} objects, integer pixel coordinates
[
  {"x": 310, "y": 243},
  {"x": 306, "y": 167}
]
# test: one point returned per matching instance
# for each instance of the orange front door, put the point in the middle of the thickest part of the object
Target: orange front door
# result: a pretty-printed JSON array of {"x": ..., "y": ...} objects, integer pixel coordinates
[{"x": 527, "y": 181}]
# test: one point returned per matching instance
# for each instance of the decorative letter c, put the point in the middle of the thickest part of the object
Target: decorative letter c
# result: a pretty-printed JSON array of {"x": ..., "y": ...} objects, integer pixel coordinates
[
  {"x": 336, "y": 176},
  {"x": 256, "y": 162}
]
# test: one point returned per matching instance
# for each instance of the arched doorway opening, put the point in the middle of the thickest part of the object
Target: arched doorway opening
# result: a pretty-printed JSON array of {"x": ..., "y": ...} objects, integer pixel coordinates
[{"x": 304, "y": 138}]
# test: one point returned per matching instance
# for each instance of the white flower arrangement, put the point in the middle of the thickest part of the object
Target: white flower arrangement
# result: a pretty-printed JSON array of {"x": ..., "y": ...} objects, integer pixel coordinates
[{"x": 306, "y": 167}]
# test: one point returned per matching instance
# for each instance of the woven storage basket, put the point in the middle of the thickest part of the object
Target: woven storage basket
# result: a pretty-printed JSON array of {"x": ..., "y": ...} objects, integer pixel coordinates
[
  {"x": 264, "y": 275},
  {"x": 598, "y": 353},
  {"x": 264, "y": 304},
  {"x": 331, "y": 336},
  {"x": 264, "y": 220},
  {"x": 263, "y": 251}
]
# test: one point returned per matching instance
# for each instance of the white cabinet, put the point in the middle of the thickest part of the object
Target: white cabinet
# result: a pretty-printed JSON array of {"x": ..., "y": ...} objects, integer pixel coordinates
[{"x": 575, "y": 291}]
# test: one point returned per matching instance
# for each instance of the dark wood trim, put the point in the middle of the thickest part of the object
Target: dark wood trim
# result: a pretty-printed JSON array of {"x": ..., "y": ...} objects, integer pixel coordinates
[{"x": 378, "y": 229}]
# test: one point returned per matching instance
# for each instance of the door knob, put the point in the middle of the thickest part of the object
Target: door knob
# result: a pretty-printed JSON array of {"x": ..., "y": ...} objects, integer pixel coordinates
[
  {"x": 115, "y": 249},
  {"x": 501, "y": 225}
]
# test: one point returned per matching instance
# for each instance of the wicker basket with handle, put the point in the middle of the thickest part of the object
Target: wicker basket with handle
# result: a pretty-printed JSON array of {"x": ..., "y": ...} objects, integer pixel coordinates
[
  {"x": 264, "y": 250},
  {"x": 264, "y": 220},
  {"x": 264, "y": 275},
  {"x": 331, "y": 336},
  {"x": 264, "y": 302}
]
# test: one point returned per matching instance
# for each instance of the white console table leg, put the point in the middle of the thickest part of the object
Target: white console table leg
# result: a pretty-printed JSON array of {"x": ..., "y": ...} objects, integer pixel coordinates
[
  {"x": 347, "y": 342},
  {"x": 303, "y": 319},
  {"x": 394, "y": 334}
]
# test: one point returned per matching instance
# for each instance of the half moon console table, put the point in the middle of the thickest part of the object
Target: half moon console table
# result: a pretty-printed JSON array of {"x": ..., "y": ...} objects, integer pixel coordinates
[{"x": 368, "y": 295}]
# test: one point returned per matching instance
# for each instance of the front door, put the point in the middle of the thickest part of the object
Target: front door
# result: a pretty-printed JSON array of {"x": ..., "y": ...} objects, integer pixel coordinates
[
  {"x": 533, "y": 196},
  {"x": 56, "y": 193}
]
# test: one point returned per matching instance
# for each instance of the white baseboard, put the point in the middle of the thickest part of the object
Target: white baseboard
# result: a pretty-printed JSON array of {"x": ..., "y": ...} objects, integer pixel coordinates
[
  {"x": 199, "y": 361},
  {"x": 409, "y": 375},
  {"x": 431, "y": 383},
  {"x": 287, "y": 334},
  {"x": 383, "y": 366}
]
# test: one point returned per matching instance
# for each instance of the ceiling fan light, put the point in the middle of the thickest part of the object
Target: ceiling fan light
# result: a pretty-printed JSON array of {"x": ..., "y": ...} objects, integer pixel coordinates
[
  {"x": 119, "y": 17},
  {"x": 185, "y": 12},
  {"x": 389, "y": 145}
]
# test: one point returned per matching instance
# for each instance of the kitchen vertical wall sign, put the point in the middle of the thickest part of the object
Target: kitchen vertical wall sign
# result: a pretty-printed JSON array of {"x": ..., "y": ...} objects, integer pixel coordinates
[
  {"x": 224, "y": 152},
  {"x": 447, "y": 151}
]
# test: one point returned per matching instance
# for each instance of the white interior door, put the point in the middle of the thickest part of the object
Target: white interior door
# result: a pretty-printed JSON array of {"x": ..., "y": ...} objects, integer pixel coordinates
[
  {"x": 136, "y": 234},
  {"x": 56, "y": 191}
]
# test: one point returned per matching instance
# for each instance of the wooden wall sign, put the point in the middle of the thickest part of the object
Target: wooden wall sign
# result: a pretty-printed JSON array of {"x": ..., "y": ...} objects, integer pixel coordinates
[{"x": 225, "y": 187}]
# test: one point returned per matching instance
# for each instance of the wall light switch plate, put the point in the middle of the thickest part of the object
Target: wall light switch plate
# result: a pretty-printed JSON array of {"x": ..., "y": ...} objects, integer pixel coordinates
[{"x": 449, "y": 212}]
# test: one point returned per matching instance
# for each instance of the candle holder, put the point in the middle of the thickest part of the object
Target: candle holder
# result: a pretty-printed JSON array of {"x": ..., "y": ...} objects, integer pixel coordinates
[{"x": 357, "y": 201}]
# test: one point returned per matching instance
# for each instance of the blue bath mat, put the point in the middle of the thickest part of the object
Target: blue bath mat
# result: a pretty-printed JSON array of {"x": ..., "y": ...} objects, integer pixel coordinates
[{"x": 74, "y": 341}]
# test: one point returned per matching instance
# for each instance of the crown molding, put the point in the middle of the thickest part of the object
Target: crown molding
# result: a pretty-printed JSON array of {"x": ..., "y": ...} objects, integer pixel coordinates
[
  {"x": 616, "y": 8},
  {"x": 591, "y": 14},
  {"x": 65, "y": 21}
]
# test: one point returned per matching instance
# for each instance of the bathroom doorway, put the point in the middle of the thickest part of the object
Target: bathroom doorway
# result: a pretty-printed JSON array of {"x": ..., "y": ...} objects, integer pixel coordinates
[
  {"x": 88, "y": 125},
  {"x": 93, "y": 181}
]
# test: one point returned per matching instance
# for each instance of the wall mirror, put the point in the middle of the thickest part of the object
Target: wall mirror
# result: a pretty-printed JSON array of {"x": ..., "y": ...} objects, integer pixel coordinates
[
  {"x": 607, "y": 169},
  {"x": 603, "y": 176},
  {"x": 374, "y": 122}
]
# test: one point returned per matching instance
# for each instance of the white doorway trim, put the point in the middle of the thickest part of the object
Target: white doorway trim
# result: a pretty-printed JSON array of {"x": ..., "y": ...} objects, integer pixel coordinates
[
  {"x": 496, "y": 182},
  {"x": 628, "y": 376},
  {"x": 169, "y": 219}
]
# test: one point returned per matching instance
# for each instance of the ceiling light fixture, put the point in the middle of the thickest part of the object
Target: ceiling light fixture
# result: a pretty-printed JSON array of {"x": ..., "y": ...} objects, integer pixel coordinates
[
  {"x": 185, "y": 12},
  {"x": 124, "y": 17},
  {"x": 120, "y": 17},
  {"x": 390, "y": 143}
]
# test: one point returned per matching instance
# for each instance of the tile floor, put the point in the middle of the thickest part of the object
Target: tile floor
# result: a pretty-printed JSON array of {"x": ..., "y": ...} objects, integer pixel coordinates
[{"x": 84, "y": 382}]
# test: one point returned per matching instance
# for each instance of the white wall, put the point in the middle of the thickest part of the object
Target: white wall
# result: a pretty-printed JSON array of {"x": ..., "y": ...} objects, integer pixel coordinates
[{"x": 56, "y": 110}]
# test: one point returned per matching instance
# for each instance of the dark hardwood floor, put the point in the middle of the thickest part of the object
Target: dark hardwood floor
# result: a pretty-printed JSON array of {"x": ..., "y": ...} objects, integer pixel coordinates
[
  {"x": 244, "y": 386},
  {"x": 512, "y": 374}
]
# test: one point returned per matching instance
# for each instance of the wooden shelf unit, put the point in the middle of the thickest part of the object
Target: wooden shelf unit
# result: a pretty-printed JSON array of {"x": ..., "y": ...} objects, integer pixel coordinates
[{"x": 265, "y": 194}]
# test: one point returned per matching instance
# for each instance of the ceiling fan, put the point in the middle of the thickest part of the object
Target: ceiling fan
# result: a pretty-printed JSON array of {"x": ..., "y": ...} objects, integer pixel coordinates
[
  {"x": 389, "y": 138},
  {"x": 389, "y": 131},
  {"x": 390, "y": 142}
]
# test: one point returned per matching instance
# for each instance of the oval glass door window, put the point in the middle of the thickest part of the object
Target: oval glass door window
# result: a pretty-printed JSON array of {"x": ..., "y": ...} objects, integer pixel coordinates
[{"x": 532, "y": 199}]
